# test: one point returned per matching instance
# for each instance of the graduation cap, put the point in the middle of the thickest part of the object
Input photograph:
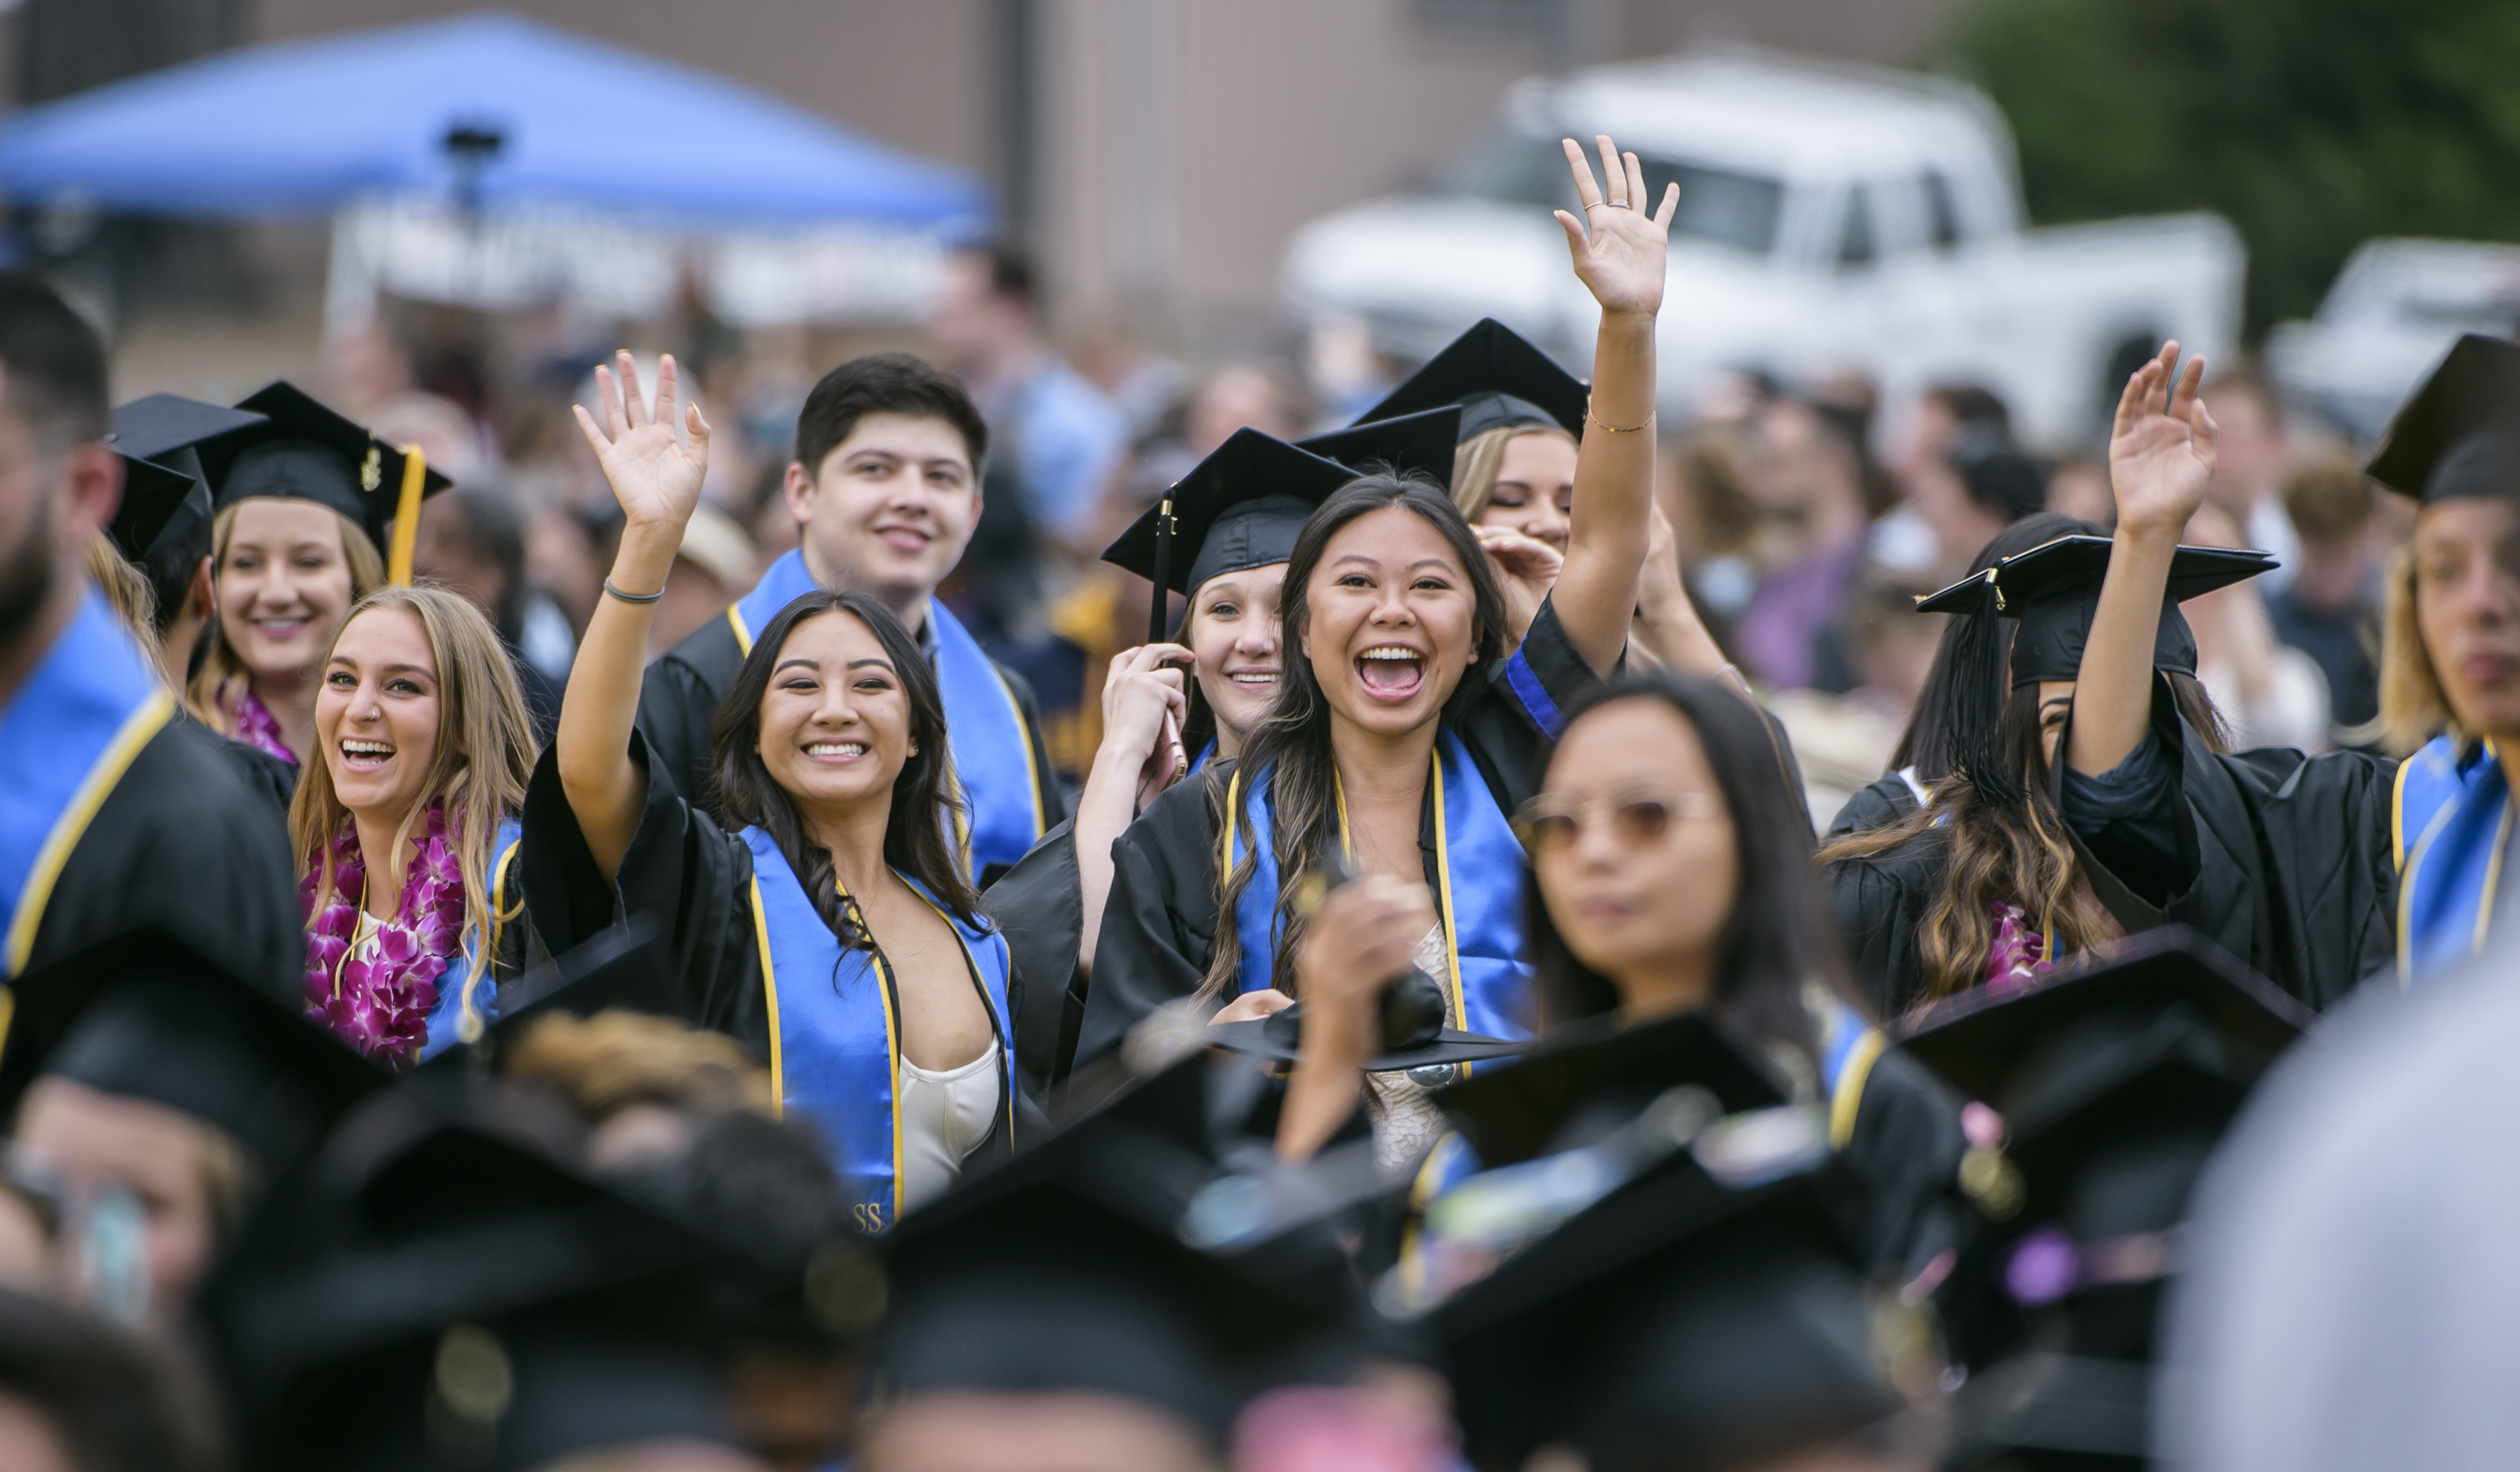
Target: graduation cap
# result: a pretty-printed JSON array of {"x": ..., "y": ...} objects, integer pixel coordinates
[
  {"x": 1594, "y": 1076},
  {"x": 2110, "y": 1085},
  {"x": 1067, "y": 1269},
  {"x": 622, "y": 967},
  {"x": 2053, "y": 591},
  {"x": 1238, "y": 508},
  {"x": 306, "y": 451},
  {"x": 427, "y": 1294},
  {"x": 146, "y": 1016},
  {"x": 1414, "y": 1034},
  {"x": 2459, "y": 434},
  {"x": 1673, "y": 1315},
  {"x": 163, "y": 525},
  {"x": 1420, "y": 442},
  {"x": 1497, "y": 379}
]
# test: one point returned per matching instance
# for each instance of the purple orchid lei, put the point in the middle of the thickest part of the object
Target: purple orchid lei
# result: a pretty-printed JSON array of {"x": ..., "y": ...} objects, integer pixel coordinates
[
  {"x": 258, "y": 728},
  {"x": 2019, "y": 955},
  {"x": 378, "y": 1001}
]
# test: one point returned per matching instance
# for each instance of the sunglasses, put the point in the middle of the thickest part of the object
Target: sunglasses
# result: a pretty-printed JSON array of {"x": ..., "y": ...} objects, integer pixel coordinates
[{"x": 1550, "y": 823}]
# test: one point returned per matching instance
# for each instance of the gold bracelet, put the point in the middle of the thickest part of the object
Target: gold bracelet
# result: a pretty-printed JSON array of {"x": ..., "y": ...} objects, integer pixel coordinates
[{"x": 1614, "y": 428}]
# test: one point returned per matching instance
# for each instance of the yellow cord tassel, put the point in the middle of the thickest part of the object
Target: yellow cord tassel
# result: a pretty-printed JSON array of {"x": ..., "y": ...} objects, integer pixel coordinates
[{"x": 406, "y": 526}]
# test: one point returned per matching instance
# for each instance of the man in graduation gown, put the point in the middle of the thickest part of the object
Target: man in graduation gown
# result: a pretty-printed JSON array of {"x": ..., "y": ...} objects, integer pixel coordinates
[
  {"x": 113, "y": 813},
  {"x": 886, "y": 488}
]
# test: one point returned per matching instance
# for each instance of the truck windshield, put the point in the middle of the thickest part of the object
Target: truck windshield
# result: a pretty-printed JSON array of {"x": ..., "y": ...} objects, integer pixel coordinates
[{"x": 1721, "y": 205}]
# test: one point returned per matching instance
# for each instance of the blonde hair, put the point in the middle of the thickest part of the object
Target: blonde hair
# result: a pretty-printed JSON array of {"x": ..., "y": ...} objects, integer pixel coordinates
[
  {"x": 221, "y": 666},
  {"x": 127, "y": 588},
  {"x": 616, "y": 1059},
  {"x": 485, "y": 756},
  {"x": 1476, "y": 462},
  {"x": 2413, "y": 707}
]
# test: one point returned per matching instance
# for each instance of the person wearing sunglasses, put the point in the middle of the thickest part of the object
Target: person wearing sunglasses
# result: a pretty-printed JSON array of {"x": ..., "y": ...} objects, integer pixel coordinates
[{"x": 1671, "y": 878}]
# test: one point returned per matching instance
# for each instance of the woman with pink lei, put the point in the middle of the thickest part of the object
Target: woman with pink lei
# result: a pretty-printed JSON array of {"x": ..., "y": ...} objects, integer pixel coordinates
[{"x": 404, "y": 828}]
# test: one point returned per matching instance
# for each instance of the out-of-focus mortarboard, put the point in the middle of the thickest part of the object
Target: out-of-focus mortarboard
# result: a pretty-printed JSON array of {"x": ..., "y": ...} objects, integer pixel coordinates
[
  {"x": 620, "y": 968},
  {"x": 1497, "y": 379},
  {"x": 163, "y": 523},
  {"x": 2051, "y": 594},
  {"x": 307, "y": 451},
  {"x": 1675, "y": 1313},
  {"x": 1422, "y": 443},
  {"x": 2460, "y": 433},
  {"x": 1592, "y": 1076},
  {"x": 427, "y": 1294},
  {"x": 2110, "y": 1085},
  {"x": 146, "y": 1016},
  {"x": 1414, "y": 1034}
]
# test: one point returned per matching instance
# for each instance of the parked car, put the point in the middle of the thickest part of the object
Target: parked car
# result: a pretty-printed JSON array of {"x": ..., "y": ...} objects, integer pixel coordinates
[
  {"x": 1830, "y": 216},
  {"x": 2392, "y": 313}
]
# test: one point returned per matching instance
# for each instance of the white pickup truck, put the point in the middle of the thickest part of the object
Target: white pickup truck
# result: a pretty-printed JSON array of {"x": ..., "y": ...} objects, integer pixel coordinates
[
  {"x": 1829, "y": 217},
  {"x": 2388, "y": 318}
]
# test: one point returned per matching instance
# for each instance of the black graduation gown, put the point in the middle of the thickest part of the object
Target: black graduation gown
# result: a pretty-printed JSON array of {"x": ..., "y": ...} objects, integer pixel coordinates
[
  {"x": 679, "y": 694},
  {"x": 1039, "y": 906},
  {"x": 1159, "y": 926},
  {"x": 188, "y": 843},
  {"x": 2284, "y": 860},
  {"x": 686, "y": 875}
]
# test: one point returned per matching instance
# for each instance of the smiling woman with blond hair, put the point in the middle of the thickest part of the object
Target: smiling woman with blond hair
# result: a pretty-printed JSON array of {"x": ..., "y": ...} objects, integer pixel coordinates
[{"x": 403, "y": 829}]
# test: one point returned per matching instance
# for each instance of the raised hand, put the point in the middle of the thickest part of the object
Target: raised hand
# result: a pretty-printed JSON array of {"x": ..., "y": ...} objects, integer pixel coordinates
[
  {"x": 1621, "y": 252},
  {"x": 1526, "y": 568},
  {"x": 2161, "y": 448},
  {"x": 654, "y": 475},
  {"x": 1143, "y": 706}
]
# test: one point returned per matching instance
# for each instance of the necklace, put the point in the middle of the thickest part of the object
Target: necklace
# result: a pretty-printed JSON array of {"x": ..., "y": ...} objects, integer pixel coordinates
[{"x": 376, "y": 997}]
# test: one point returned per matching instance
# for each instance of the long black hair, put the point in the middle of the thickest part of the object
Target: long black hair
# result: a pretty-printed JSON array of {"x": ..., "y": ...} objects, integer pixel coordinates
[
  {"x": 1779, "y": 946},
  {"x": 925, "y": 797},
  {"x": 1293, "y": 744}
]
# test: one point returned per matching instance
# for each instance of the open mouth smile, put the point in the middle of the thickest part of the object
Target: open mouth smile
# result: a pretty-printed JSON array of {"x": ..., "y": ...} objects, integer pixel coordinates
[
  {"x": 835, "y": 751},
  {"x": 1391, "y": 673},
  {"x": 360, "y": 756}
]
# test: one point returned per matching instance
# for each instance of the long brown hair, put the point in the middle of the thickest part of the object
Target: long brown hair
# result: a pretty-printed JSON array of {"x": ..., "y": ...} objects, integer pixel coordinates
[
  {"x": 214, "y": 684},
  {"x": 926, "y": 796},
  {"x": 1293, "y": 744},
  {"x": 485, "y": 756},
  {"x": 2413, "y": 707},
  {"x": 2010, "y": 852}
]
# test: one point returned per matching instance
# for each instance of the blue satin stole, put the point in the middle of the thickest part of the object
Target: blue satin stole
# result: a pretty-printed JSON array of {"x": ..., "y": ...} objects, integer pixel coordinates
[
  {"x": 2450, "y": 821},
  {"x": 71, "y": 732},
  {"x": 992, "y": 756},
  {"x": 1479, "y": 893},
  {"x": 468, "y": 996},
  {"x": 834, "y": 1030}
]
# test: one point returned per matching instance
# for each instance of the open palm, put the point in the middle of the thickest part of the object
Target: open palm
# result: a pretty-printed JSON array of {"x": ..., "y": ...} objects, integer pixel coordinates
[
  {"x": 1621, "y": 252},
  {"x": 2161, "y": 448},
  {"x": 654, "y": 475}
]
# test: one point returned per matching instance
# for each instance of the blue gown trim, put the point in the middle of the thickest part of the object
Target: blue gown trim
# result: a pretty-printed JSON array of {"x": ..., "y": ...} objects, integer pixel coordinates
[
  {"x": 2451, "y": 820},
  {"x": 472, "y": 1002}
]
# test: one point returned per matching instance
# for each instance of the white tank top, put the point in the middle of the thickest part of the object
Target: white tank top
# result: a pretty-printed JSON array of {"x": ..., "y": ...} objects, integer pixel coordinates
[{"x": 944, "y": 1117}]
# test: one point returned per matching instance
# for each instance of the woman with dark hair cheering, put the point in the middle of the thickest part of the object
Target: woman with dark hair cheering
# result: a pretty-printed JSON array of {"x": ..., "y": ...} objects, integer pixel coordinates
[
  {"x": 836, "y": 932},
  {"x": 1671, "y": 879},
  {"x": 1401, "y": 734}
]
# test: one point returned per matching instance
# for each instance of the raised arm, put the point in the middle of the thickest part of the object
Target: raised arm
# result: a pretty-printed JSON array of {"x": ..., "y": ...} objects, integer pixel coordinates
[
  {"x": 2161, "y": 455},
  {"x": 1143, "y": 706},
  {"x": 656, "y": 479},
  {"x": 1620, "y": 256}
]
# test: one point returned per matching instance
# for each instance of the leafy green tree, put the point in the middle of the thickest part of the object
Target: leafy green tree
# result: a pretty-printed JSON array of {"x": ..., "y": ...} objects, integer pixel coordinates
[{"x": 2312, "y": 124}]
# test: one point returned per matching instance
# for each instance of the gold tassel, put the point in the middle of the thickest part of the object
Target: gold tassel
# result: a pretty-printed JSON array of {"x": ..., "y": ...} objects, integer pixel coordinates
[{"x": 406, "y": 527}]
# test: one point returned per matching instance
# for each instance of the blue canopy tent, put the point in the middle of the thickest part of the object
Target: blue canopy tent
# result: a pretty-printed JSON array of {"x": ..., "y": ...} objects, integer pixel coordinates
[{"x": 488, "y": 110}]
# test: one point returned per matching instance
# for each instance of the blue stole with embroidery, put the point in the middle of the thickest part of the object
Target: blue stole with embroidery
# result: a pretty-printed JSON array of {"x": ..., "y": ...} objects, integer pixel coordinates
[
  {"x": 67, "y": 738},
  {"x": 993, "y": 758},
  {"x": 1478, "y": 895},
  {"x": 468, "y": 996},
  {"x": 835, "y": 1034},
  {"x": 2451, "y": 821}
]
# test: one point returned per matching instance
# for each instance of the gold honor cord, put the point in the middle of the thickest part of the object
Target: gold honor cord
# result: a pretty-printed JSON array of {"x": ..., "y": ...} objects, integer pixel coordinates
[{"x": 406, "y": 527}]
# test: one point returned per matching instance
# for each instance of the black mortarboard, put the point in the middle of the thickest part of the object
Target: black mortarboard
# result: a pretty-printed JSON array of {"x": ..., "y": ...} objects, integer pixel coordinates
[
  {"x": 1592, "y": 1076},
  {"x": 1423, "y": 443},
  {"x": 309, "y": 452},
  {"x": 163, "y": 523},
  {"x": 1497, "y": 379},
  {"x": 2459, "y": 434},
  {"x": 1414, "y": 1034},
  {"x": 426, "y": 1293},
  {"x": 1238, "y": 508},
  {"x": 147, "y": 1016},
  {"x": 2112, "y": 1082},
  {"x": 1676, "y": 1313},
  {"x": 2051, "y": 592},
  {"x": 622, "y": 967}
]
